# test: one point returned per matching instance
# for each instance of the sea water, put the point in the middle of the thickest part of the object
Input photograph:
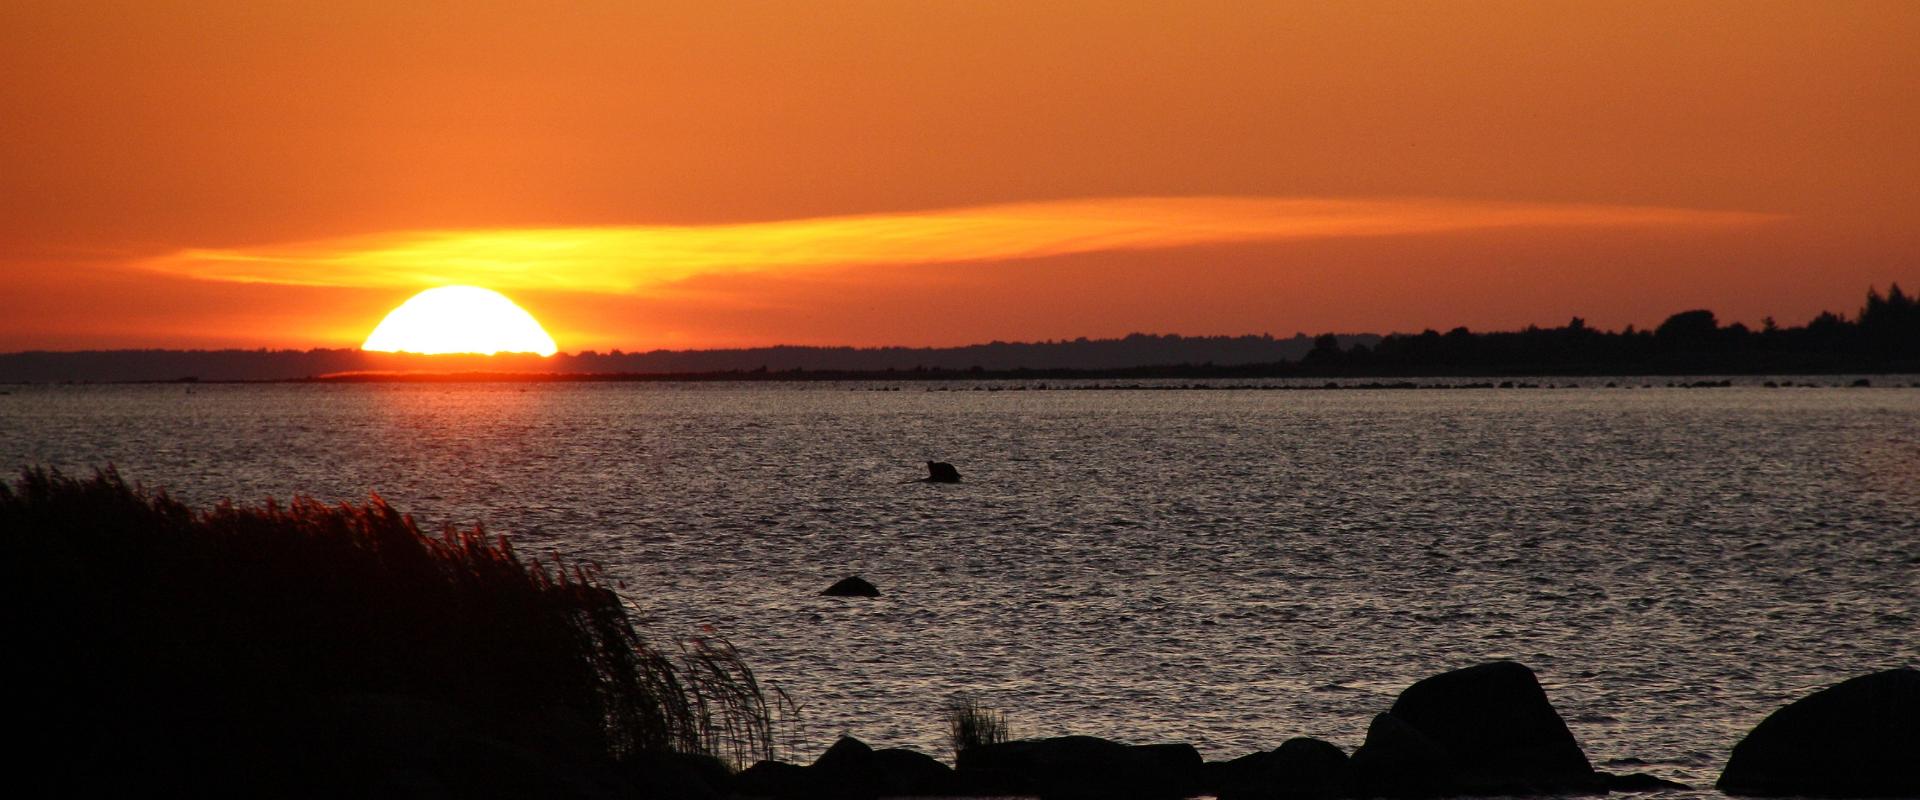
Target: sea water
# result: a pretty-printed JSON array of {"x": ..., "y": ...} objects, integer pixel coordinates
[{"x": 1229, "y": 567}]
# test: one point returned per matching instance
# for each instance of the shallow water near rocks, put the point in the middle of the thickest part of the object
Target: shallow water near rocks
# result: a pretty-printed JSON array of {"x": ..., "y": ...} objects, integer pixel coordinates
[{"x": 1228, "y": 568}]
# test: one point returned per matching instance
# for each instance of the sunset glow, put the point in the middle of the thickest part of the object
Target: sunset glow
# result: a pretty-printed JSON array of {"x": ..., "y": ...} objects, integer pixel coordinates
[
  {"x": 618, "y": 259},
  {"x": 460, "y": 319},
  {"x": 1578, "y": 333},
  {"x": 680, "y": 175}
]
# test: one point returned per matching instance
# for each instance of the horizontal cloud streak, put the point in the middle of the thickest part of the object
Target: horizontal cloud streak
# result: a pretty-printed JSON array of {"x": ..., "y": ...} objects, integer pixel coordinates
[{"x": 618, "y": 259}]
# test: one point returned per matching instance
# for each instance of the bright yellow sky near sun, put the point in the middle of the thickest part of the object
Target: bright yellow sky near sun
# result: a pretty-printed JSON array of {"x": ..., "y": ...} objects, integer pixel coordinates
[{"x": 696, "y": 174}]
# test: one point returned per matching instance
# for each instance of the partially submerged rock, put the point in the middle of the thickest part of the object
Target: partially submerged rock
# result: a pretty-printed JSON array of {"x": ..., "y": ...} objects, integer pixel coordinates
[
  {"x": 852, "y": 586},
  {"x": 1483, "y": 730},
  {"x": 1074, "y": 767},
  {"x": 1858, "y": 738},
  {"x": 941, "y": 472},
  {"x": 1641, "y": 782},
  {"x": 1298, "y": 768}
]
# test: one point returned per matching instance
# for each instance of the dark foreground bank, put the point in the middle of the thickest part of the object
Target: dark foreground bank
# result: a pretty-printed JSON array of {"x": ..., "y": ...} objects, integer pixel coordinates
[
  {"x": 318, "y": 650},
  {"x": 314, "y": 650}
]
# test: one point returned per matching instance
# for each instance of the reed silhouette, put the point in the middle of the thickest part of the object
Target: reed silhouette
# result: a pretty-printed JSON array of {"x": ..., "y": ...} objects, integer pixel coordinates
[
  {"x": 971, "y": 725},
  {"x": 309, "y": 648}
]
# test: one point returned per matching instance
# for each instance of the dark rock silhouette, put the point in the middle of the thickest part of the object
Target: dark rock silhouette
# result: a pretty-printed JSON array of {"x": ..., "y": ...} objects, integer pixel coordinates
[
  {"x": 1487, "y": 729},
  {"x": 678, "y": 775},
  {"x": 846, "y": 755},
  {"x": 774, "y": 779},
  {"x": 852, "y": 586},
  {"x": 941, "y": 472},
  {"x": 849, "y": 770},
  {"x": 1299, "y": 768},
  {"x": 899, "y": 771},
  {"x": 1858, "y": 738},
  {"x": 1400, "y": 761},
  {"x": 846, "y": 770},
  {"x": 1074, "y": 767},
  {"x": 1641, "y": 782},
  {"x": 1177, "y": 764}
]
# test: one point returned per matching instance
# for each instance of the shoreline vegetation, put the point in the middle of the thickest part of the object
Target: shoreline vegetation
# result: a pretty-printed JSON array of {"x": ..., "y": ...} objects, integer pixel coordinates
[
  {"x": 312, "y": 650},
  {"x": 325, "y": 650},
  {"x": 1883, "y": 337}
]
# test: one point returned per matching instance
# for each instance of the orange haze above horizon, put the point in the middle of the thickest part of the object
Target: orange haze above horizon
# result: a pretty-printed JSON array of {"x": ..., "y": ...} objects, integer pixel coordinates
[{"x": 226, "y": 174}]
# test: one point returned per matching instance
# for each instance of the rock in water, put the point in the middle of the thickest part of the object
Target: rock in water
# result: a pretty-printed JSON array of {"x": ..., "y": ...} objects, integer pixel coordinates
[
  {"x": 1859, "y": 738},
  {"x": 942, "y": 472},
  {"x": 1642, "y": 782},
  {"x": 1082, "y": 767},
  {"x": 1299, "y": 768},
  {"x": 853, "y": 586},
  {"x": 1491, "y": 729},
  {"x": 1400, "y": 761}
]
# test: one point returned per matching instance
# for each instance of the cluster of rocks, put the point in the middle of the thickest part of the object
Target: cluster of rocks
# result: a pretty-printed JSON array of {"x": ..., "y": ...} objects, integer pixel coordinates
[{"x": 1487, "y": 730}]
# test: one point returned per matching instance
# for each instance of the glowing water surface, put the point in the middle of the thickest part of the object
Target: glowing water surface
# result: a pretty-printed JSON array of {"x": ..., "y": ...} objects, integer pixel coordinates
[{"x": 1228, "y": 568}]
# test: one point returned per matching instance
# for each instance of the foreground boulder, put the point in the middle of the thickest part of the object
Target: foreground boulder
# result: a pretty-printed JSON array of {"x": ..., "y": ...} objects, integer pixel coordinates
[
  {"x": 1074, "y": 767},
  {"x": 1859, "y": 738},
  {"x": 1298, "y": 768},
  {"x": 1483, "y": 730}
]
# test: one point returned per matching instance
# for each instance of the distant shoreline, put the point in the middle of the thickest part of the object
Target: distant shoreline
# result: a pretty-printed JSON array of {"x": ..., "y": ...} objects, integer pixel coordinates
[
  {"x": 1333, "y": 380},
  {"x": 1882, "y": 339}
]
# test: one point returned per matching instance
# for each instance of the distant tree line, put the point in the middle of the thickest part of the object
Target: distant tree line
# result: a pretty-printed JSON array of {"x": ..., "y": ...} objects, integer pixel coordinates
[
  {"x": 758, "y": 362},
  {"x": 1884, "y": 337}
]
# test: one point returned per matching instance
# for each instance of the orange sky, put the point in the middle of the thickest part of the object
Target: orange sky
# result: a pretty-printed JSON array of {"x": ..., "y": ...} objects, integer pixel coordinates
[{"x": 653, "y": 174}]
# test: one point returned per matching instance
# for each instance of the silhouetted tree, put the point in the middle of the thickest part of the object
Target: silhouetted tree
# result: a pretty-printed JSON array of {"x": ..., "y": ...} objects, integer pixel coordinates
[
  {"x": 1325, "y": 352},
  {"x": 1885, "y": 338},
  {"x": 1891, "y": 325},
  {"x": 1686, "y": 327}
]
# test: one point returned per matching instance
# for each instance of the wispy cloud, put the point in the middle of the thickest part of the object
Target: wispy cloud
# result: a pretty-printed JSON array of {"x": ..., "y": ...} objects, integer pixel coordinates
[{"x": 621, "y": 259}]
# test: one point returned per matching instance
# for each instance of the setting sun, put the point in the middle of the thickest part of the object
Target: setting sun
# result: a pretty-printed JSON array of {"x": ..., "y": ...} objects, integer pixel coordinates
[{"x": 460, "y": 319}]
